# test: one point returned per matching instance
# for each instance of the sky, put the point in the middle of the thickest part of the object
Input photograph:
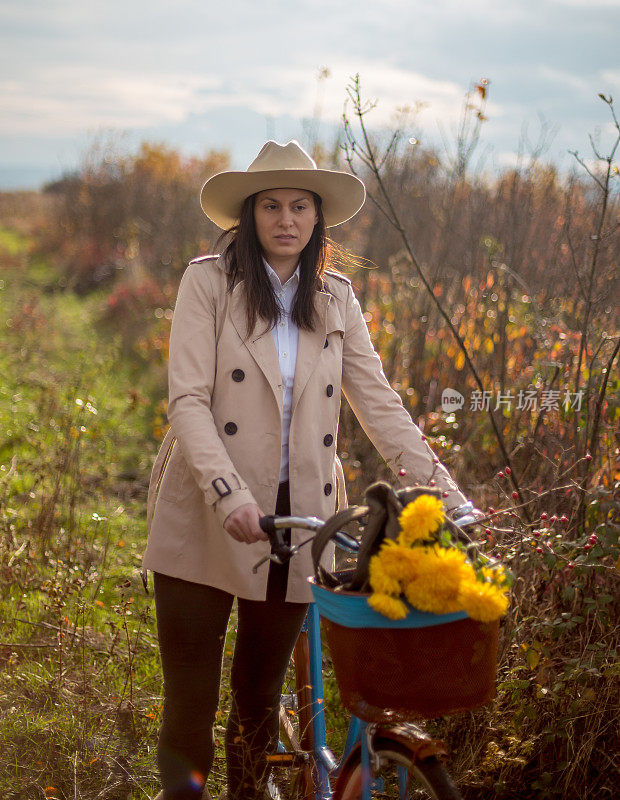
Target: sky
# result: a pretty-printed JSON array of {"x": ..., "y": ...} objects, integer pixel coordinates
[{"x": 213, "y": 75}]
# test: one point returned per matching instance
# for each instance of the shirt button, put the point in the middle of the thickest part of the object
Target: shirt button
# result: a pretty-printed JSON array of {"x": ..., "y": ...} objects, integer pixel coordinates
[
  {"x": 284, "y": 355},
  {"x": 282, "y": 324},
  {"x": 327, "y": 489},
  {"x": 230, "y": 428},
  {"x": 328, "y": 440},
  {"x": 329, "y": 390},
  {"x": 238, "y": 375}
]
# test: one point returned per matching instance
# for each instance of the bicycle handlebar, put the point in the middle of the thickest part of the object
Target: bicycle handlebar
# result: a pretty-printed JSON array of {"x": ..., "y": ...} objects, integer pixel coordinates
[
  {"x": 465, "y": 520},
  {"x": 281, "y": 552},
  {"x": 270, "y": 524}
]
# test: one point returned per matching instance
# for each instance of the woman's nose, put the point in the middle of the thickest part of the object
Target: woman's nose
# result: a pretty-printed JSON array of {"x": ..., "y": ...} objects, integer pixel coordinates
[{"x": 286, "y": 217}]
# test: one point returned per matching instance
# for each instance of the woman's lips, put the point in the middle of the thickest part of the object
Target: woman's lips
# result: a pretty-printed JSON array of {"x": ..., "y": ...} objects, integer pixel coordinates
[{"x": 285, "y": 238}]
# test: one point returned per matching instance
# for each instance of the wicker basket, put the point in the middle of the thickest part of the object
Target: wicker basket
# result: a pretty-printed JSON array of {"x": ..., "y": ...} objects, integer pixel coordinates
[{"x": 421, "y": 667}]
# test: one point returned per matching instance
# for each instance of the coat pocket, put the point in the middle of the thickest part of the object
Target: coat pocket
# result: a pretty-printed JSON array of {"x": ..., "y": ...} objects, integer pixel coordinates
[
  {"x": 174, "y": 477},
  {"x": 158, "y": 472}
]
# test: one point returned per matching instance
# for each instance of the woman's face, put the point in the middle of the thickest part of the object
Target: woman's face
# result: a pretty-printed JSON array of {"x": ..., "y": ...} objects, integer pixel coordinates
[{"x": 284, "y": 221}]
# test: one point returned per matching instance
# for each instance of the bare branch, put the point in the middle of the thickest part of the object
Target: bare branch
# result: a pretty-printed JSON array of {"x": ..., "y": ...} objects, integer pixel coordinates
[
  {"x": 594, "y": 150},
  {"x": 579, "y": 160},
  {"x": 599, "y": 405},
  {"x": 375, "y": 168}
]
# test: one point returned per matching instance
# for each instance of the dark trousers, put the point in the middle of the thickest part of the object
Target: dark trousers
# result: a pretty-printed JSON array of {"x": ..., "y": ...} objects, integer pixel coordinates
[{"x": 192, "y": 621}]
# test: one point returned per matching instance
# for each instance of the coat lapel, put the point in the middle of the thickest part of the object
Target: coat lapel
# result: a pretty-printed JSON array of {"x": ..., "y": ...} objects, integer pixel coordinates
[
  {"x": 260, "y": 343},
  {"x": 311, "y": 343}
]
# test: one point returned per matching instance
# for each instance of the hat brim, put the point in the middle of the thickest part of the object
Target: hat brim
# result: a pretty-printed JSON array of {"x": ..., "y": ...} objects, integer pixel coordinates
[{"x": 222, "y": 196}]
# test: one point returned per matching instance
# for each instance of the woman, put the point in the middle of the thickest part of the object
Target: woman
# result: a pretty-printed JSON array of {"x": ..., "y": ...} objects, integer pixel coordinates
[{"x": 264, "y": 339}]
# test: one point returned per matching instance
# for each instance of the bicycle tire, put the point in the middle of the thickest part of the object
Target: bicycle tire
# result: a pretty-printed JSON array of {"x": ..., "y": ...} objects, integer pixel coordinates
[{"x": 428, "y": 778}]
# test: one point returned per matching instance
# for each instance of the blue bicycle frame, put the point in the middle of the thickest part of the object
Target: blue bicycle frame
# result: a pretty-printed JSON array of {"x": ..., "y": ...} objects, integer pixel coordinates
[
  {"x": 325, "y": 765},
  {"x": 323, "y": 757}
]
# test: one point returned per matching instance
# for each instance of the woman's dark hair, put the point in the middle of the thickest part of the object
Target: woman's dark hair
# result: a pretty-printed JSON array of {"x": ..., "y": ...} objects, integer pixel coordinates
[{"x": 244, "y": 256}]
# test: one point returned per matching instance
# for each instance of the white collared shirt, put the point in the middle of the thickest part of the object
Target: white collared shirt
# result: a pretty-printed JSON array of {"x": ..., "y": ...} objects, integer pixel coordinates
[{"x": 286, "y": 336}]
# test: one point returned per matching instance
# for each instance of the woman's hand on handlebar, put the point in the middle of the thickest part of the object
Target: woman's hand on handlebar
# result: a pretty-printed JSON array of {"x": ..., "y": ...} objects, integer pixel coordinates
[{"x": 242, "y": 524}]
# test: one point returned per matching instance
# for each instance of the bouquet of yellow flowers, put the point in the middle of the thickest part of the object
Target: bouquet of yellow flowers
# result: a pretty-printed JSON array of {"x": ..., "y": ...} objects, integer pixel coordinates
[{"x": 427, "y": 567}]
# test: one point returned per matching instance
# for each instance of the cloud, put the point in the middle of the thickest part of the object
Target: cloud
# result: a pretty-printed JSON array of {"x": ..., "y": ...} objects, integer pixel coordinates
[
  {"x": 611, "y": 76},
  {"x": 64, "y": 100},
  {"x": 566, "y": 79},
  {"x": 301, "y": 95},
  {"x": 512, "y": 160},
  {"x": 587, "y": 3}
]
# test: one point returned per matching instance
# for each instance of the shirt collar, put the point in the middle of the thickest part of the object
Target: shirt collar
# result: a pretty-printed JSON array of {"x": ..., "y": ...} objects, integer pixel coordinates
[{"x": 273, "y": 276}]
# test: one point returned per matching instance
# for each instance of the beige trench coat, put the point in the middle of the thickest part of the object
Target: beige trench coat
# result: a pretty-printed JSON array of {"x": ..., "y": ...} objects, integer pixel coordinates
[{"x": 224, "y": 444}]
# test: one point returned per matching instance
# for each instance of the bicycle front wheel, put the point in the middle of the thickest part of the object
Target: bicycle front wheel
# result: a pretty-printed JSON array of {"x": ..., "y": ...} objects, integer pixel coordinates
[{"x": 400, "y": 775}]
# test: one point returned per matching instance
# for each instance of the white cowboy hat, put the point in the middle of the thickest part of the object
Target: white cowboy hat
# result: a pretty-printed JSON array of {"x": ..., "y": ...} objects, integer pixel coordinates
[{"x": 280, "y": 166}]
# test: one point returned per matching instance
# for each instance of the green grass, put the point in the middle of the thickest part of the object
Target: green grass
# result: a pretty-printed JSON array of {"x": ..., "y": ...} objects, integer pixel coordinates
[
  {"x": 80, "y": 682},
  {"x": 12, "y": 242}
]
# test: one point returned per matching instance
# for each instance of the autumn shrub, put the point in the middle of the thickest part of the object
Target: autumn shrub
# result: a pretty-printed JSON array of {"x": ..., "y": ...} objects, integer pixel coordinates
[
  {"x": 122, "y": 213},
  {"x": 502, "y": 293}
]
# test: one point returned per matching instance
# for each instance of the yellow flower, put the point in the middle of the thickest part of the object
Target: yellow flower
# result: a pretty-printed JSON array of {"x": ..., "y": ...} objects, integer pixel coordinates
[
  {"x": 482, "y": 601},
  {"x": 391, "y": 607},
  {"x": 495, "y": 575},
  {"x": 400, "y": 562},
  {"x": 419, "y": 519},
  {"x": 440, "y": 576},
  {"x": 420, "y": 594},
  {"x": 381, "y": 579}
]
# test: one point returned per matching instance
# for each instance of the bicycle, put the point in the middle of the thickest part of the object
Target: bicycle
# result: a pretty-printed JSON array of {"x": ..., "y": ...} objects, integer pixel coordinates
[{"x": 378, "y": 759}]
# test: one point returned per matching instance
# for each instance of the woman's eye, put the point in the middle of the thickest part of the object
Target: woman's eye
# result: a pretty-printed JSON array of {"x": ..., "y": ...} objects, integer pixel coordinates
[{"x": 301, "y": 208}]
